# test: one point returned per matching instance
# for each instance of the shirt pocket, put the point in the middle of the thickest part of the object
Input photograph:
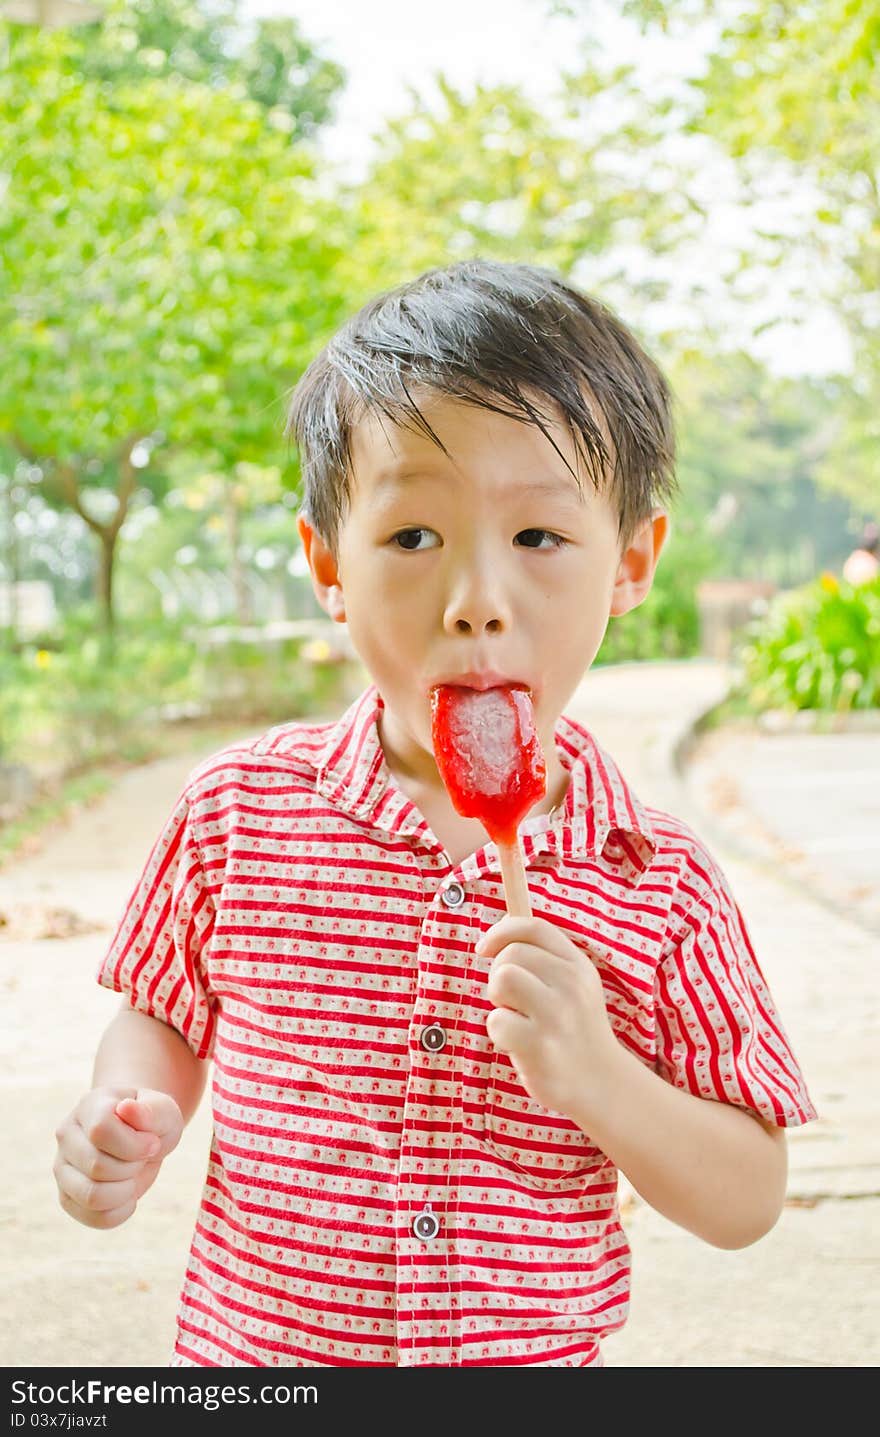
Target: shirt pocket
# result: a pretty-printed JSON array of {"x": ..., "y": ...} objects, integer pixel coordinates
[{"x": 545, "y": 1147}]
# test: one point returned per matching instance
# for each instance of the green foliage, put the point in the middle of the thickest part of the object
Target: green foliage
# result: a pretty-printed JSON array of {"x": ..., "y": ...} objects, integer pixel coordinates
[
  {"x": 91, "y": 699},
  {"x": 817, "y": 648},
  {"x": 849, "y": 464},
  {"x": 272, "y": 681},
  {"x": 666, "y": 624},
  {"x": 803, "y": 82},
  {"x": 272, "y": 61},
  {"x": 153, "y": 296},
  {"x": 800, "y": 80},
  {"x": 752, "y": 447},
  {"x": 797, "y": 87},
  {"x": 132, "y": 226},
  {"x": 282, "y": 70},
  {"x": 487, "y": 173},
  {"x": 479, "y": 174},
  {"x": 151, "y": 39},
  {"x": 150, "y": 287}
]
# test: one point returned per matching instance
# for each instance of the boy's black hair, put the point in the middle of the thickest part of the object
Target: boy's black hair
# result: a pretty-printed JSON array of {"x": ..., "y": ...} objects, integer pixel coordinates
[{"x": 496, "y": 336}]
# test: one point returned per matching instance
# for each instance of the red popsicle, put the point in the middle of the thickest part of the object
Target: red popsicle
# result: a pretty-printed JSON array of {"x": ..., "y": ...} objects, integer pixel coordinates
[{"x": 488, "y": 754}]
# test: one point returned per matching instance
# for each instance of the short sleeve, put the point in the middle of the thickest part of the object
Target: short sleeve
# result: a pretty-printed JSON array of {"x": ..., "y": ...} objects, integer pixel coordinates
[
  {"x": 719, "y": 1035},
  {"x": 157, "y": 956}
]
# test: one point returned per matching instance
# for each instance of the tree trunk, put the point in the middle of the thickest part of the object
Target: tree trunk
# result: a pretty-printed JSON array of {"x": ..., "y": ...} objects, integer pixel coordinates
[
  {"x": 104, "y": 588},
  {"x": 66, "y": 480}
]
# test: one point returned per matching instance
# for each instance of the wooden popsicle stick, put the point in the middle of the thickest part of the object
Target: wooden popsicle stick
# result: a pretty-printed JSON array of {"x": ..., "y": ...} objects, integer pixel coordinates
[{"x": 513, "y": 876}]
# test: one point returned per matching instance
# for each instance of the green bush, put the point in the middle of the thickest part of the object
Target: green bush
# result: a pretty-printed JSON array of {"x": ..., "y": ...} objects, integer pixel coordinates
[
  {"x": 666, "y": 625},
  {"x": 272, "y": 681},
  {"x": 88, "y": 699},
  {"x": 817, "y": 647}
]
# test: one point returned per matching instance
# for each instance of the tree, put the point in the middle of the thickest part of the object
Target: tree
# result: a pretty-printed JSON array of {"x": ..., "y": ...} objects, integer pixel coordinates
[
  {"x": 751, "y": 447},
  {"x": 207, "y": 43},
  {"x": 151, "y": 293},
  {"x": 486, "y": 173},
  {"x": 792, "y": 92}
]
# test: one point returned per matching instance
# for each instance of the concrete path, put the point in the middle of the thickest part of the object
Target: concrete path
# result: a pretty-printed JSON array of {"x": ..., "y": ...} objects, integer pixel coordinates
[
  {"x": 804, "y": 1296},
  {"x": 807, "y": 801}
]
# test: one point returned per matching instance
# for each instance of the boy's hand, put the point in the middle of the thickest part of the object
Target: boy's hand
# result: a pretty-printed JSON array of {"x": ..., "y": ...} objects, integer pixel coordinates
[
  {"x": 110, "y": 1148},
  {"x": 549, "y": 1014}
]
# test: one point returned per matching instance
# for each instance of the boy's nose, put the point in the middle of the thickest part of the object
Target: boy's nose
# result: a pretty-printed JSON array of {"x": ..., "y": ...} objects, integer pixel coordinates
[{"x": 477, "y": 606}]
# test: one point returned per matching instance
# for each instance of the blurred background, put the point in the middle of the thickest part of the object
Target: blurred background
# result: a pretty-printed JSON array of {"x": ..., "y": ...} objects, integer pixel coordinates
[{"x": 195, "y": 193}]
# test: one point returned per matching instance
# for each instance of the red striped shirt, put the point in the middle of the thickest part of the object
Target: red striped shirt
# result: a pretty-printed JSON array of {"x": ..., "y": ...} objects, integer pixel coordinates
[{"x": 299, "y": 922}]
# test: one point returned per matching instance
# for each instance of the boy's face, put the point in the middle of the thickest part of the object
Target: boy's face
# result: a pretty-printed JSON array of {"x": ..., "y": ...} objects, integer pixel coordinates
[{"x": 451, "y": 568}]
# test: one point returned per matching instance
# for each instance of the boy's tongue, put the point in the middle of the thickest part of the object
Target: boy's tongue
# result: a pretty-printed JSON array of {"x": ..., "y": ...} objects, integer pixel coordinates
[{"x": 488, "y": 754}]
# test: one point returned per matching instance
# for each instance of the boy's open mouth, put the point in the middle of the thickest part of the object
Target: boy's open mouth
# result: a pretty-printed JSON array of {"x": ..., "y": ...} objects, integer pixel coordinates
[{"x": 481, "y": 681}]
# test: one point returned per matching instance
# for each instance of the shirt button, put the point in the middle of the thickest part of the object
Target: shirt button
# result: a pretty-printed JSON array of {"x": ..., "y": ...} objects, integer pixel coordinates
[
  {"x": 452, "y": 895},
  {"x": 426, "y": 1225},
  {"x": 433, "y": 1038}
]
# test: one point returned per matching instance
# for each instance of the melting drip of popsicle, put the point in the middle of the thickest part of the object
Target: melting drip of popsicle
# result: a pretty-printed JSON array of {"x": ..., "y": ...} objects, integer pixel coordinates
[{"x": 489, "y": 755}]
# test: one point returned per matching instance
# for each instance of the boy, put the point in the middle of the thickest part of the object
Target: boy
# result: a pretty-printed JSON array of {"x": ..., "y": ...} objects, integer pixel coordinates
[{"x": 420, "y": 1104}]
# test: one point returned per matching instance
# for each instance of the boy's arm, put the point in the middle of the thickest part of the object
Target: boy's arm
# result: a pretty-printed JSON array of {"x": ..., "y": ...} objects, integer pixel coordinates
[
  {"x": 708, "y": 1166},
  {"x": 146, "y": 1084},
  {"x": 143, "y": 1053}
]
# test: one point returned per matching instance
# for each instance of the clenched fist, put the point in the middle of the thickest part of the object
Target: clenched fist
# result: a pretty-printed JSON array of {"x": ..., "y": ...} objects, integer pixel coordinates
[
  {"x": 549, "y": 1013},
  {"x": 110, "y": 1148}
]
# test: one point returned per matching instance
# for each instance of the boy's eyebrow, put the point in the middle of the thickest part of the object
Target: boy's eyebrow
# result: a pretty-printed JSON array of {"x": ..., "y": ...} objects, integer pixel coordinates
[{"x": 557, "y": 488}]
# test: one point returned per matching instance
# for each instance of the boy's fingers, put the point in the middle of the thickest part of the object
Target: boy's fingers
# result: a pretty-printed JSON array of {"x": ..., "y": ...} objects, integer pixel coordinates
[
  {"x": 509, "y": 1032},
  {"x": 103, "y": 1220},
  {"x": 537, "y": 932},
  {"x": 549, "y": 968},
  {"x": 110, "y": 1135},
  {"x": 145, "y": 1178},
  {"x": 516, "y": 988},
  {"x": 137, "y": 1115},
  {"x": 90, "y": 1195},
  {"x": 99, "y": 1166},
  {"x": 158, "y": 1115}
]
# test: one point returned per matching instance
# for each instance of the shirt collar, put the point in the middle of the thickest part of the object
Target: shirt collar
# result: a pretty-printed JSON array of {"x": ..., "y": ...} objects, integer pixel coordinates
[{"x": 600, "y": 816}]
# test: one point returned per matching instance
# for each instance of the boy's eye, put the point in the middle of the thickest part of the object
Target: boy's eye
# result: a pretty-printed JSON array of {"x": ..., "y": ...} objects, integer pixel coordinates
[
  {"x": 405, "y": 535},
  {"x": 556, "y": 540},
  {"x": 408, "y": 539}
]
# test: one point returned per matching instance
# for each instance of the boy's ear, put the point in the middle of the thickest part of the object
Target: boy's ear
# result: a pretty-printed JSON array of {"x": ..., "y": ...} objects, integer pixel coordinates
[
  {"x": 326, "y": 580},
  {"x": 635, "y": 572}
]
